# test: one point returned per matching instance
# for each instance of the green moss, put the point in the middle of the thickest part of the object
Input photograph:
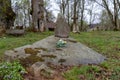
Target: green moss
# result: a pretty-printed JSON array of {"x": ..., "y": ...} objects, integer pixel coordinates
[
  {"x": 44, "y": 49},
  {"x": 61, "y": 60},
  {"x": 50, "y": 56},
  {"x": 31, "y": 60},
  {"x": 31, "y": 51}
]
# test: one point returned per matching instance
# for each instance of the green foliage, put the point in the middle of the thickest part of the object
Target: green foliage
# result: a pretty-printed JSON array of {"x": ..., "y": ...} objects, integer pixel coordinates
[
  {"x": 93, "y": 72},
  {"x": 105, "y": 65},
  {"x": 95, "y": 68},
  {"x": 7, "y": 16},
  {"x": 10, "y": 42},
  {"x": 11, "y": 71},
  {"x": 6, "y": 2},
  {"x": 116, "y": 73},
  {"x": 105, "y": 20},
  {"x": 76, "y": 72},
  {"x": 5, "y": 5},
  {"x": 85, "y": 25},
  {"x": 106, "y": 43}
]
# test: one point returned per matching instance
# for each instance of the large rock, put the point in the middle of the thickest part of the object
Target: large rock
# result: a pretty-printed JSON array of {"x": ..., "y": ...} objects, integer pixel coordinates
[
  {"x": 16, "y": 53},
  {"x": 46, "y": 51},
  {"x": 62, "y": 29}
]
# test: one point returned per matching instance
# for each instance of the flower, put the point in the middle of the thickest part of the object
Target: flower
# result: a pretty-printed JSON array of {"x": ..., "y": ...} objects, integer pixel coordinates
[{"x": 61, "y": 43}]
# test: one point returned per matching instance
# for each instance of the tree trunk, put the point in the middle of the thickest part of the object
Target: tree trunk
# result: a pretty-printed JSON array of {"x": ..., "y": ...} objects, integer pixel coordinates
[
  {"x": 7, "y": 16},
  {"x": 82, "y": 13},
  {"x": 75, "y": 27},
  {"x": 38, "y": 14},
  {"x": 113, "y": 17},
  {"x": 68, "y": 15}
]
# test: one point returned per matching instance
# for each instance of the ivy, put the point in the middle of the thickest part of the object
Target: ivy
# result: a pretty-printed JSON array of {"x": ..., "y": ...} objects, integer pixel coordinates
[{"x": 11, "y": 71}]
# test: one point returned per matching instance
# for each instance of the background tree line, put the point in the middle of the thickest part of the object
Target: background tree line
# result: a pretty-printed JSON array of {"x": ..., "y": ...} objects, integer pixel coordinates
[{"x": 76, "y": 13}]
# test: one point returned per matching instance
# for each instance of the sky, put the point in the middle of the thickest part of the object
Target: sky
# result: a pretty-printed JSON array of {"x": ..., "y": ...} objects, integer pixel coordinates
[{"x": 54, "y": 7}]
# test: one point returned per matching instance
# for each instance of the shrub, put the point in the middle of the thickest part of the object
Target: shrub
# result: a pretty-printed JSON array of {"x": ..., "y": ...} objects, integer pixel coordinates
[{"x": 11, "y": 71}]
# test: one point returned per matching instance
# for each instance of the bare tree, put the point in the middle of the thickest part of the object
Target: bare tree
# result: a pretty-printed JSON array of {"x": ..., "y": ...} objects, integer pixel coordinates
[
  {"x": 82, "y": 14},
  {"x": 73, "y": 10},
  {"x": 75, "y": 17},
  {"x": 113, "y": 15},
  {"x": 63, "y": 5}
]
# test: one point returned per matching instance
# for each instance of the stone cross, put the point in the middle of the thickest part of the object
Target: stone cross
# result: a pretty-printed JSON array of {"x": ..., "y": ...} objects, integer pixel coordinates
[{"x": 62, "y": 29}]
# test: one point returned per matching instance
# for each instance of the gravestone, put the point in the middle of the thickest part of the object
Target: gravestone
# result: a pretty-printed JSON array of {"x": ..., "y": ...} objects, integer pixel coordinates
[
  {"x": 62, "y": 29},
  {"x": 15, "y": 32}
]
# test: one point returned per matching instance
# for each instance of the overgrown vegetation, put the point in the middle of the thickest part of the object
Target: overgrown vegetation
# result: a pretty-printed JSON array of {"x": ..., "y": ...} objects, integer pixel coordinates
[
  {"x": 11, "y": 71},
  {"x": 10, "y": 42},
  {"x": 106, "y": 43}
]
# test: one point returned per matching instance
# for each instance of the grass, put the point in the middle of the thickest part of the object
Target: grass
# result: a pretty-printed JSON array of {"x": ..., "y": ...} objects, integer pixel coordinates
[
  {"x": 106, "y": 43},
  {"x": 10, "y": 42}
]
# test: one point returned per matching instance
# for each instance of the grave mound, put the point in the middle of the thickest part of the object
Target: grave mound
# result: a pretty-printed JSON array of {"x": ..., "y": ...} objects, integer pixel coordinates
[{"x": 45, "y": 51}]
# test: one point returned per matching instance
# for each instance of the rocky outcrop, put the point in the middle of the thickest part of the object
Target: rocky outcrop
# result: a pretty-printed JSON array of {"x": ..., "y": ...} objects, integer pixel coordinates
[
  {"x": 7, "y": 16},
  {"x": 45, "y": 51}
]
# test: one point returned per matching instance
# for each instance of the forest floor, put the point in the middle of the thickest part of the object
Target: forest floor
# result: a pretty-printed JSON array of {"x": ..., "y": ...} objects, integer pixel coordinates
[{"x": 105, "y": 42}]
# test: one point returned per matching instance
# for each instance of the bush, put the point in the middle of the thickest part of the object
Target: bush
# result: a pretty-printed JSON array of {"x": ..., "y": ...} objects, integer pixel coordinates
[{"x": 11, "y": 71}]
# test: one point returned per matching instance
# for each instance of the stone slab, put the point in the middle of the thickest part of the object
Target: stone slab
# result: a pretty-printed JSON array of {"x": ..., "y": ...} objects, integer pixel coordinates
[{"x": 74, "y": 53}]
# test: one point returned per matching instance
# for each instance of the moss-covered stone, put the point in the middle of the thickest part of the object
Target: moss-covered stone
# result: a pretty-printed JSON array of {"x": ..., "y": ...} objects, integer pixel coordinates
[
  {"x": 31, "y": 60},
  {"x": 44, "y": 49},
  {"x": 50, "y": 56},
  {"x": 31, "y": 51},
  {"x": 61, "y": 60}
]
